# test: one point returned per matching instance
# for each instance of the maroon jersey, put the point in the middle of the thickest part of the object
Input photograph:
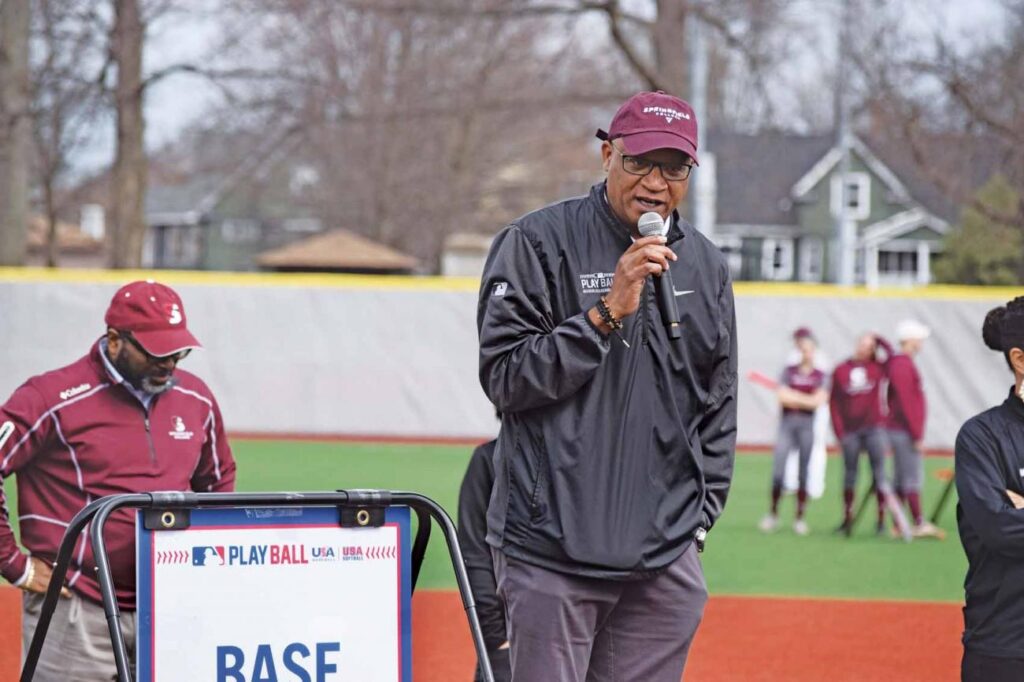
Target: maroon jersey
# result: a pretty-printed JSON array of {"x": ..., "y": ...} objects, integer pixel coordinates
[
  {"x": 74, "y": 434},
  {"x": 907, "y": 407},
  {"x": 856, "y": 400},
  {"x": 797, "y": 380}
]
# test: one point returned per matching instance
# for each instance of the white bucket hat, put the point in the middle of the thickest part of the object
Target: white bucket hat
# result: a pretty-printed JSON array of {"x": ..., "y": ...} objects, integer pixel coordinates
[{"x": 912, "y": 329}]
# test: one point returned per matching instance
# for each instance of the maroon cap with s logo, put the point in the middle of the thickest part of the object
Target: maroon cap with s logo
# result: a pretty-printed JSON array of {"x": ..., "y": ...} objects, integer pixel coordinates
[{"x": 155, "y": 316}]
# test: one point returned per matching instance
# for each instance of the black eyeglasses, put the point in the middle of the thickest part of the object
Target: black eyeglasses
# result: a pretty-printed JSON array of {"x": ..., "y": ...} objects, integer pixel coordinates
[
  {"x": 173, "y": 357},
  {"x": 672, "y": 172}
]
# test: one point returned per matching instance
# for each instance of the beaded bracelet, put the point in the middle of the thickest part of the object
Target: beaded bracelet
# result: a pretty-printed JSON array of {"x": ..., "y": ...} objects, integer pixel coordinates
[{"x": 606, "y": 315}]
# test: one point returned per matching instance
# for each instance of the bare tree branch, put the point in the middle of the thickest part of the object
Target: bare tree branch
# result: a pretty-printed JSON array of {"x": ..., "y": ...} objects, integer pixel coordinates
[{"x": 645, "y": 71}]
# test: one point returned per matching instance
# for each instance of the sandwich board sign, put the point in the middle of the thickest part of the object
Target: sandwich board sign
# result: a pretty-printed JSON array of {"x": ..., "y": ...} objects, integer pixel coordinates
[{"x": 281, "y": 595}]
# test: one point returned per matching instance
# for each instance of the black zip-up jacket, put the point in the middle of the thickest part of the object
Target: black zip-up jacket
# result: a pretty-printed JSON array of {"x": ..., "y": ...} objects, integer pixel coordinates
[
  {"x": 989, "y": 461},
  {"x": 473, "y": 497},
  {"x": 609, "y": 457},
  {"x": 474, "y": 494}
]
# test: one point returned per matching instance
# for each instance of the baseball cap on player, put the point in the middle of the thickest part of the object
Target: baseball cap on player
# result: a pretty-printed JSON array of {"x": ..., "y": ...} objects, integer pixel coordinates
[
  {"x": 155, "y": 316},
  {"x": 802, "y": 333},
  {"x": 911, "y": 329},
  {"x": 654, "y": 120}
]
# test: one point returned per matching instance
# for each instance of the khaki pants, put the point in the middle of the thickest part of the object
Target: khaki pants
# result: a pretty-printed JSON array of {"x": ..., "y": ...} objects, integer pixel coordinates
[{"x": 77, "y": 646}]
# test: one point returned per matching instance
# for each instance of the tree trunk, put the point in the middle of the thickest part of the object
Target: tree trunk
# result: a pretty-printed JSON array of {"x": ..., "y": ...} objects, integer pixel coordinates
[
  {"x": 15, "y": 130},
  {"x": 670, "y": 53},
  {"x": 52, "y": 237},
  {"x": 130, "y": 165}
]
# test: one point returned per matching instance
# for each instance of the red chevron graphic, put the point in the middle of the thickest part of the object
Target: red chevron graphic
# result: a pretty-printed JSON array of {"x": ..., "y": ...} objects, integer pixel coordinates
[
  {"x": 382, "y": 552},
  {"x": 172, "y": 557}
]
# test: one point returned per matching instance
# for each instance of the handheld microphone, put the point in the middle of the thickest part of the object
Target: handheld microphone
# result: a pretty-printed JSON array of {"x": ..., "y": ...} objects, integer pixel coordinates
[{"x": 651, "y": 224}]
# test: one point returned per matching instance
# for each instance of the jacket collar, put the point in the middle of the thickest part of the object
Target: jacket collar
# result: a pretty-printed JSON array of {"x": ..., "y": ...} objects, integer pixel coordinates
[
  {"x": 1014, "y": 404},
  {"x": 599, "y": 196},
  {"x": 105, "y": 368}
]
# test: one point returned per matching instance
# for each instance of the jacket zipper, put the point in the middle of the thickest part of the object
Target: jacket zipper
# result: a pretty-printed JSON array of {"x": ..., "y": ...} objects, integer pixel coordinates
[
  {"x": 149, "y": 437},
  {"x": 643, "y": 307}
]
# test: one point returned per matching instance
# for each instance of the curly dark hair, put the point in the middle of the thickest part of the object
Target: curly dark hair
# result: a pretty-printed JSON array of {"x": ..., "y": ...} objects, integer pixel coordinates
[{"x": 1003, "y": 328}]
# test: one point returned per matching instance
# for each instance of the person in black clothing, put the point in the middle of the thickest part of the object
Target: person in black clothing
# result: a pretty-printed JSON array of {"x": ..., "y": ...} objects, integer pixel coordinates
[
  {"x": 474, "y": 494},
  {"x": 617, "y": 440},
  {"x": 989, "y": 467}
]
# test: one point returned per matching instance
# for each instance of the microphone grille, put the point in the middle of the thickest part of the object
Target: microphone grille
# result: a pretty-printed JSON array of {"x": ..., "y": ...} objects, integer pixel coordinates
[{"x": 651, "y": 224}]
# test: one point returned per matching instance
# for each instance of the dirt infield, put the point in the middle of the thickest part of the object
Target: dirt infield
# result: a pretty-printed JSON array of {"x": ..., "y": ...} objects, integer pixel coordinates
[{"x": 754, "y": 638}]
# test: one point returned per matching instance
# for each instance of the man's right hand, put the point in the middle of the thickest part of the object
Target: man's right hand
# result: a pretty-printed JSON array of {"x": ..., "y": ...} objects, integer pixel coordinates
[
  {"x": 39, "y": 581},
  {"x": 645, "y": 257}
]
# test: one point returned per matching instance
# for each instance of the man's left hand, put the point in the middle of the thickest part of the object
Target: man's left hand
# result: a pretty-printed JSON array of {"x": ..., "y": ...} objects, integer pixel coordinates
[{"x": 39, "y": 578}]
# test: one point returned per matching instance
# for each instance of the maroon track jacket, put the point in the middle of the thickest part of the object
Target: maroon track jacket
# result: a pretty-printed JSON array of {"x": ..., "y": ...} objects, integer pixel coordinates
[
  {"x": 77, "y": 436},
  {"x": 907, "y": 405},
  {"x": 856, "y": 400}
]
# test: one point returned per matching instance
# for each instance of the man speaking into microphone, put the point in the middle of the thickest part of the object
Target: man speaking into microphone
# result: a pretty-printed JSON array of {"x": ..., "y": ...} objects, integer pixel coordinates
[{"x": 617, "y": 441}]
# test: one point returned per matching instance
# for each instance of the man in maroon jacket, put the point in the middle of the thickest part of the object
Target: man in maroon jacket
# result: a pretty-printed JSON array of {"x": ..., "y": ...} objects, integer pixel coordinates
[
  {"x": 859, "y": 423},
  {"x": 907, "y": 410},
  {"x": 122, "y": 419}
]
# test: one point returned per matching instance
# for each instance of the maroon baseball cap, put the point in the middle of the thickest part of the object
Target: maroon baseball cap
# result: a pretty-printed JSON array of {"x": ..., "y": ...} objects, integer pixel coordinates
[
  {"x": 803, "y": 333},
  {"x": 654, "y": 120},
  {"x": 155, "y": 316}
]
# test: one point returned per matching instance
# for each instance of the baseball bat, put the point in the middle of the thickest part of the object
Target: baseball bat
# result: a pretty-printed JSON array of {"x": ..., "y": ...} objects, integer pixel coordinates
[
  {"x": 943, "y": 499},
  {"x": 892, "y": 504}
]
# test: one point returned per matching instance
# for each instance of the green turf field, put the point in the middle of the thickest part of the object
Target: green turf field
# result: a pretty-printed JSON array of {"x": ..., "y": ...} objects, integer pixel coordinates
[{"x": 740, "y": 559}]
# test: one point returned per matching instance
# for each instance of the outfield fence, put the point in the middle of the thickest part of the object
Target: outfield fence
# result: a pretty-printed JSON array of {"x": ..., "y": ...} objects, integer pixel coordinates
[{"x": 397, "y": 356}]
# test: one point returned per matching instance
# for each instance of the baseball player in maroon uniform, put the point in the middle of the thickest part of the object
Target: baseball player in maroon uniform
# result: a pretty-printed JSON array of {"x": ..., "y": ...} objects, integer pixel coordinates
[
  {"x": 122, "y": 419},
  {"x": 907, "y": 409},
  {"x": 801, "y": 390},
  {"x": 859, "y": 422}
]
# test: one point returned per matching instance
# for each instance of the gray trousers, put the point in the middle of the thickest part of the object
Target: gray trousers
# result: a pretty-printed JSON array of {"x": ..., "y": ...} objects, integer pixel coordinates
[
  {"x": 77, "y": 646},
  {"x": 873, "y": 441},
  {"x": 566, "y": 628},
  {"x": 908, "y": 463},
  {"x": 796, "y": 430}
]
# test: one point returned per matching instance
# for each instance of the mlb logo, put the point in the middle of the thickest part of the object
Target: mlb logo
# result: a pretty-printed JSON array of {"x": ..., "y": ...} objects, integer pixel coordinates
[{"x": 207, "y": 556}]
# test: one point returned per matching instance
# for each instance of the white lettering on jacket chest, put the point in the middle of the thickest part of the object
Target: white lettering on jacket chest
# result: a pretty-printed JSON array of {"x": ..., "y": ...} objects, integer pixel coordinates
[
  {"x": 72, "y": 392},
  {"x": 596, "y": 282},
  {"x": 179, "y": 430}
]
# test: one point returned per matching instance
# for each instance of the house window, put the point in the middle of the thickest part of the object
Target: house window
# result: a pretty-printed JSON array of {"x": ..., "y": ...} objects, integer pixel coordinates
[
  {"x": 777, "y": 259},
  {"x": 237, "y": 231},
  {"x": 811, "y": 257},
  {"x": 897, "y": 262},
  {"x": 732, "y": 249},
  {"x": 302, "y": 225},
  {"x": 855, "y": 190},
  {"x": 302, "y": 179}
]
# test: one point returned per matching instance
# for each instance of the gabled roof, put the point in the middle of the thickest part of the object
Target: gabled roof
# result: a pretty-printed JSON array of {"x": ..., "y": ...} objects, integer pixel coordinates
[
  {"x": 755, "y": 174},
  {"x": 759, "y": 176},
  {"x": 897, "y": 225},
  {"x": 827, "y": 163},
  {"x": 188, "y": 199},
  {"x": 183, "y": 203},
  {"x": 337, "y": 251}
]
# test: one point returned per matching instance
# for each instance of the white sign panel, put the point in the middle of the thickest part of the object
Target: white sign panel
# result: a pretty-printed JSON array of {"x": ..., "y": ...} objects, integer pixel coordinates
[{"x": 274, "y": 595}]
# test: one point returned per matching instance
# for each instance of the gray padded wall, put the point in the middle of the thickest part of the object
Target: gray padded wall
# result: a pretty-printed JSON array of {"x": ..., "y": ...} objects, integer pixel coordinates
[{"x": 400, "y": 359}]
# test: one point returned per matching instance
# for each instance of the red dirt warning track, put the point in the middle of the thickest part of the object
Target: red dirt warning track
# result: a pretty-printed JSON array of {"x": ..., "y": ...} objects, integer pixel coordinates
[{"x": 754, "y": 638}]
